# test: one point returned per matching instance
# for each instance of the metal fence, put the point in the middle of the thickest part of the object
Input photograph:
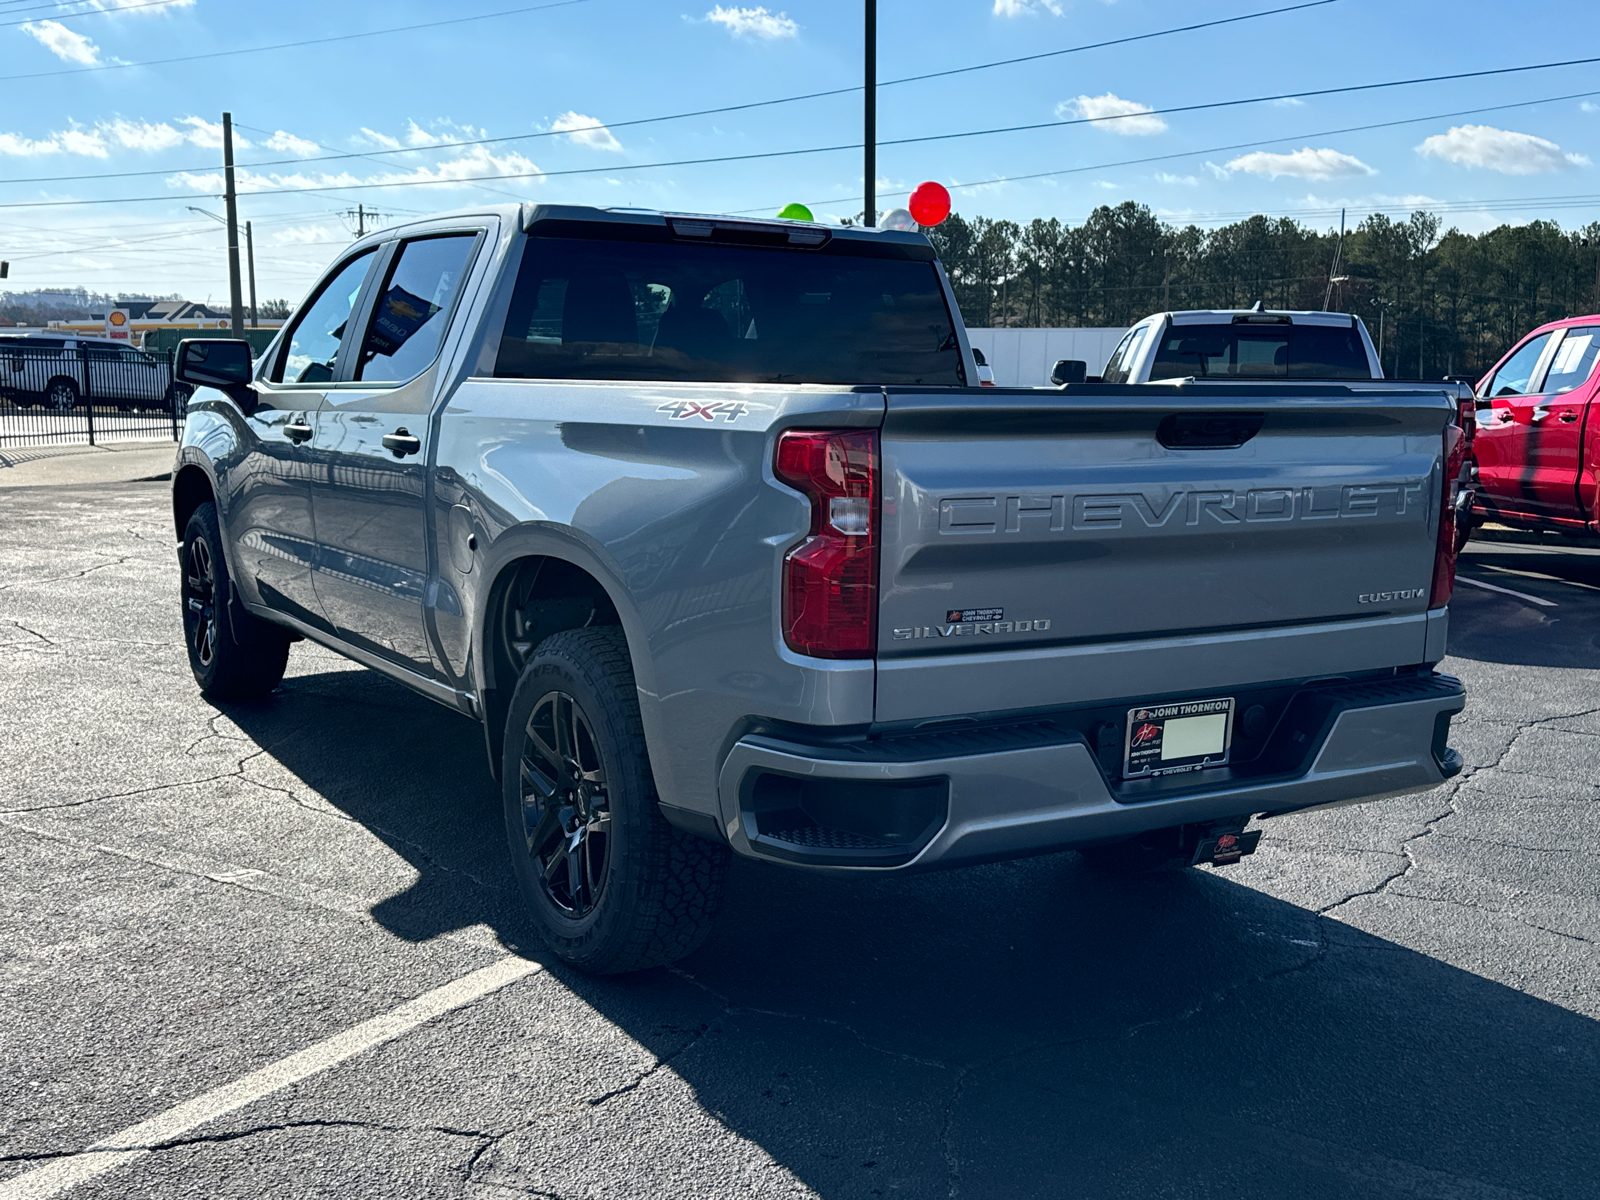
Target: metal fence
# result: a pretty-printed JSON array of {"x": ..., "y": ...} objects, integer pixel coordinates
[{"x": 80, "y": 394}]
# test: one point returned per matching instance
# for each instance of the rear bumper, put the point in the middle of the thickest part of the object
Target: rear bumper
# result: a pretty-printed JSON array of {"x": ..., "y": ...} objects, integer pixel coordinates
[{"x": 941, "y": 800}]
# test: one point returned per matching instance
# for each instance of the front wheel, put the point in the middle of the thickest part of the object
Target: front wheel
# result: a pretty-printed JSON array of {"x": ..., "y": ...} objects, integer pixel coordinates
[
  {"x": 61, "y": 395},
  {"x": 612, "y": 886},
  {"x": 234, "y": 655}
]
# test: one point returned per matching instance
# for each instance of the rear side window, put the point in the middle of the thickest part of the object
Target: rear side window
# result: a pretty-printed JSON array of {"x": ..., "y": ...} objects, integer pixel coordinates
[
  {"x": 1515, "y": 377},
  {"x": 1120, "y": 364},
  {"x": 1574, "y": 360},
  {"x": 311, "y": 351},
  {"x": 592, "y": 308},
  {"x": 1261, "y": 352},
  {"x": 409, "y": 320}
]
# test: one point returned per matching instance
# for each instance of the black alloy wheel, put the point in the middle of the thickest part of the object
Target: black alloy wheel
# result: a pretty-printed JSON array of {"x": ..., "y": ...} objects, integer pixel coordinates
[
  {"x": 610, "y": 885},
  {"x": 565, "y": 809},
  {"x": 234, "y": 654},
  {"x": 61, "y": 395},
  {"x": 200, "y": 602}
]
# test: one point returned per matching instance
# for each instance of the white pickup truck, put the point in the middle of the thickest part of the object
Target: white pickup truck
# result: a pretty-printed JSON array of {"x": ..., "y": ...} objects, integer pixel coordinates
[{"x": 1240, "y": 344}]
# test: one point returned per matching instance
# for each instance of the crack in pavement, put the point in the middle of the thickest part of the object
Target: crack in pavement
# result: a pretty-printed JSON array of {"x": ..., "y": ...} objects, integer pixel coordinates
[
  {"x": 73, "y": 575},
  {"x": 233, "y": 1135}
]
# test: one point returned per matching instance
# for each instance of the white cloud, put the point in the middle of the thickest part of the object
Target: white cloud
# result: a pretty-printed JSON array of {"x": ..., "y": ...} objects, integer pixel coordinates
[
  {"x": 1185, "y": 180},
  {"x": 141, "y": 135},
  {"x": 476, "y": 163},
  {"x": 754, "y": 22},
  {"x": 585, "y": 131},
  {"x": 208, "y": 135},
  {"x": 305, "y": 235},
  {"x": 1589, "y": 106},
  {"x": 82, "y": 141},
  {"x": 1304, "y": 163},
  {"x": 64, "y": 43},
  {"x": 1219, "y": 172},
  {"x": 1113, "y": 114},
  {"x": 17, "y": 146},
  {"x": 382, "y": 139},
  {"x": 1499, "y": 150},
  {"x": 1289, "y": 102},
  {"x": 141, "y": 8},
  {"x": 286, "y": 143},
  {"x": 1017, "y": 8}
]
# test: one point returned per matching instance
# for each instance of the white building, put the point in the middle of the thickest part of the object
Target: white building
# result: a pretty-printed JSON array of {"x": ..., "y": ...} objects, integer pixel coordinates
[{"x": 1024, "y": 357}]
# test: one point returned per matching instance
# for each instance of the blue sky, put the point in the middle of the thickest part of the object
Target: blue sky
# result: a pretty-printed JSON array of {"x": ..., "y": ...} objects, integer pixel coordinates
[{"x": 576, "y": 73}]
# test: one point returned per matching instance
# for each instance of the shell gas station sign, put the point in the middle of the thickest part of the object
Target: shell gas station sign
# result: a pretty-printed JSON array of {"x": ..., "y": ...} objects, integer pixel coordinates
[{"x": 118, "y": 327}]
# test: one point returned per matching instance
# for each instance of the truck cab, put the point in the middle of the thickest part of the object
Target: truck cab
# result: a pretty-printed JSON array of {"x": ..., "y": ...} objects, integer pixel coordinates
[
  {"x": 1240, "y": 344},
  {"x": 1535, "y": 449}
]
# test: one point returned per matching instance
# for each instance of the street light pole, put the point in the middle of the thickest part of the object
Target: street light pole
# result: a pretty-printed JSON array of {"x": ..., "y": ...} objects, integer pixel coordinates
[
  {"x": 250, "y": 254},
  {"x": 234, "y": 299},
  {"x": 869, "y": 140}
]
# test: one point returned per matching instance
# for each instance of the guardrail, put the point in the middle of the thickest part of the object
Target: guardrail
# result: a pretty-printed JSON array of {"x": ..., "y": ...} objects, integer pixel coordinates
[{"x": 51, "y": 396}]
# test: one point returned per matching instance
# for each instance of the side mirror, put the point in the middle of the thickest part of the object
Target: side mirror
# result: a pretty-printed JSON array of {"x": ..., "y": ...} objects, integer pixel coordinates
[
  {"x": 1069, "y": 370},
  {"x": 214, "y": 362}
]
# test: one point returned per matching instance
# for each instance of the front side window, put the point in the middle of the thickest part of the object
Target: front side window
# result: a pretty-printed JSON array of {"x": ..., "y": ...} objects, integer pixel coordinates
[
  {"x": 594, "y": 308},
  {"x": 1574, "y": 360},
  {"x": 413, "y": 308},
  {"x": 311, "y": 351},
  {"x": 1515, "y": 378}
]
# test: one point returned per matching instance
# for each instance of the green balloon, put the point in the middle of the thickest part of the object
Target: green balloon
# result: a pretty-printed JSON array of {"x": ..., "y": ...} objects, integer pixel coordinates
[{"x": 795, "y": 212}]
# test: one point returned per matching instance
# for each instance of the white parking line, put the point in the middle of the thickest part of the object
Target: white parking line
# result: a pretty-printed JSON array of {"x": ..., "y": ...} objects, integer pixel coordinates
[
  {"x": 1540, "y": 576},
  {"x": 60, "y": 1174},
  {"x": 1488, "y": 587}
]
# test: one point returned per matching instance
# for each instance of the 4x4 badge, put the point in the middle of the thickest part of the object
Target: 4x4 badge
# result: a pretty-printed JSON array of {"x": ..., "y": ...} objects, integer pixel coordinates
[{"x": 682, "y": 410}]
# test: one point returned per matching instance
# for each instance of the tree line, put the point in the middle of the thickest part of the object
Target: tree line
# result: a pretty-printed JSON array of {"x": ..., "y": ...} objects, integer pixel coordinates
[{"x": 1443, "y": 304}]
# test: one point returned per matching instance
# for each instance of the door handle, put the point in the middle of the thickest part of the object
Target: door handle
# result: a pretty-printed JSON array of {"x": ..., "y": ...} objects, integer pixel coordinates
[
  {"x": 297, "y": 431},
  {"x": 400, "y": 443},
  {"x": 1567, "y": 417}
]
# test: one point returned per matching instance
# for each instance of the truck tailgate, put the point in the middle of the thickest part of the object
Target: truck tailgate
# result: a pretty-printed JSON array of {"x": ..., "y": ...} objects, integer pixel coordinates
[{"x": 1050, "y": 548}]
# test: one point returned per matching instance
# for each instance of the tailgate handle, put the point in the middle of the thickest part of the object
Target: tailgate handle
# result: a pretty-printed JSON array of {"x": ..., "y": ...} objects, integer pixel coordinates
[{"x": 1208, "y": 431}]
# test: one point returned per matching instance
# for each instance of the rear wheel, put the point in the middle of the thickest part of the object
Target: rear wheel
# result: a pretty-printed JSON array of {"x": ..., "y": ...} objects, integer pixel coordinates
[
  {"x": 612, "y": 886},
  {"x": 234, "y": 655},
  {"x": 61, "y": 395}
]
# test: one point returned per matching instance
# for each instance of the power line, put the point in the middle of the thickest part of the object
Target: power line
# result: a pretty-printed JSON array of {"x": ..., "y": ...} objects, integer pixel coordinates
[
  {"x": 93, "y": 12},
  {"x": 342, "y": 37},
  {"x": 337, "y": 156},
  {"x": 906, "y": 141},
  {"x": 1154, "y": 158}
]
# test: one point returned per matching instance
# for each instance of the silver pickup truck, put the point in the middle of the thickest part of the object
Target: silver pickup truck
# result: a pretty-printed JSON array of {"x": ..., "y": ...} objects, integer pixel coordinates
[{"x": 709, "y": 525}]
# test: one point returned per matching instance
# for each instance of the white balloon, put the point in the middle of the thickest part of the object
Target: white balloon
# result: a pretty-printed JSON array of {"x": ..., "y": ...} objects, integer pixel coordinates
[{"x": 898, "y": 218}]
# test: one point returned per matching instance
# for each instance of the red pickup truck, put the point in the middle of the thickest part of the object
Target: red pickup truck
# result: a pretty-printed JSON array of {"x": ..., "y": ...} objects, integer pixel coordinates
[{"x": 1536, "y": 453}]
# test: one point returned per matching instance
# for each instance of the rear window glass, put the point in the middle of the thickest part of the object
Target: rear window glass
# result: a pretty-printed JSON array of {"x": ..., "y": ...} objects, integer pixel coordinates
[
  {"x": 589, "y": 308},
  {"x": 1261, "y": 352}
]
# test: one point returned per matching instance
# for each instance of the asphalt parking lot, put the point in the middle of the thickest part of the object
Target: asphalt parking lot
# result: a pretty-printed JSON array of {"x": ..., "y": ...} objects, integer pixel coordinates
[{"x": 1391, "y": 1000}]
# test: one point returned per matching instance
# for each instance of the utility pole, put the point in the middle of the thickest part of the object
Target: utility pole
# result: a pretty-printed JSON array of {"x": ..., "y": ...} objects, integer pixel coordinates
[
  {"x": 234, "y": 299},
  {"x": 361, "y": 220},
  {"x": 1337, "y": 254},
  {"x": 869, "y": 140},
  {"x": 250, "y": 253}
]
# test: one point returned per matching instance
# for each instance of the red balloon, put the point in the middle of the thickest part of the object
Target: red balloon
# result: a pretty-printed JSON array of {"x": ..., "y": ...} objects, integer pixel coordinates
[{"x": 930, "y": 203}]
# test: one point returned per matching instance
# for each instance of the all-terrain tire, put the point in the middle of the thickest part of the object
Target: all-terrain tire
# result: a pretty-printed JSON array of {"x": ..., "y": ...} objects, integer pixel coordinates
[
  {"x": 234, "y": 655},
  {"x": 647, "y": 891}
]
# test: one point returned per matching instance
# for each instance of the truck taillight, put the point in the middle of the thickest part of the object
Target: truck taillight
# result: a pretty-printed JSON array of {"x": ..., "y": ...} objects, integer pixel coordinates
[
  {"x": 1444, "y": 554},
  {"x": 830, "y": 580}
]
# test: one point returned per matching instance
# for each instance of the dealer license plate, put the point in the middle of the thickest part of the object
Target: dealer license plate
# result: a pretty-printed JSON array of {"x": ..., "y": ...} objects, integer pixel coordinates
[{"x": 1167, "y": 739}]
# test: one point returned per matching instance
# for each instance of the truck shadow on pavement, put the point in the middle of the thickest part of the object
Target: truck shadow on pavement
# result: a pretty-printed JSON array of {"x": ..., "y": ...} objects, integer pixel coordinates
[
  {"x": 1499, "y": 628},
  {"x": 1011, "y": 1030}
]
